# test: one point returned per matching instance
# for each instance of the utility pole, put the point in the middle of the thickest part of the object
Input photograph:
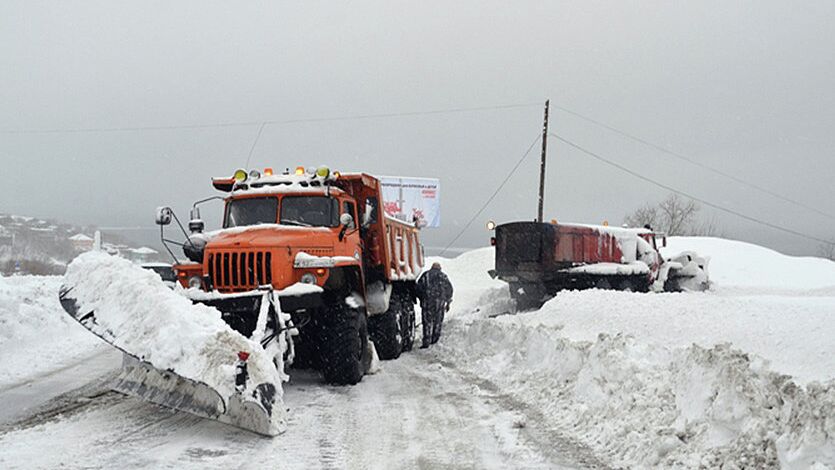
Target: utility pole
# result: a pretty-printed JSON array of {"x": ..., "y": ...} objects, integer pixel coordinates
[{"x": 542, "y": 163}]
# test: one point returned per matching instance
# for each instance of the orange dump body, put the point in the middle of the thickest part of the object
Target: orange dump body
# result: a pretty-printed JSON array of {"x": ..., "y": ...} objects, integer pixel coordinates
[{"x": 578, "y": 244}]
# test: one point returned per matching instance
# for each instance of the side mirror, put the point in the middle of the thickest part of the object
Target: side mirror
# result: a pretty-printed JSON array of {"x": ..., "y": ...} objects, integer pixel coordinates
[
  {"x": 163, "y": 215},
  {"x": 347, "y": 220},
  {"x": 196, "y": 225}
]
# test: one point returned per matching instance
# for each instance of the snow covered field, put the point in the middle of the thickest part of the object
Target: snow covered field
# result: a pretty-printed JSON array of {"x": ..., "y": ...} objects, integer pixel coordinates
[
  {"x": 35, "y": 335},
  {"x": 742, "y": 375}
]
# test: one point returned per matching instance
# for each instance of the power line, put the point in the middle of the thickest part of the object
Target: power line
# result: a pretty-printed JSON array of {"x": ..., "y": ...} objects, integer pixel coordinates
[
  {"x": 694, "y": 162},
  {"x": 682, "y": 193},
  {"x": 490, "y": 199},
  {"x": 253, "y": 123}
]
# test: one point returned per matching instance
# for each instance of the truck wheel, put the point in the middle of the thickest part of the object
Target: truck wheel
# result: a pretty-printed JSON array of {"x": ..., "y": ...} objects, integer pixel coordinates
[
  {"x": 625, "y": 284},
  {"x": 407, "y": 321},
  {"x": 528, "y": 296},
  {"x": 307, "y": 354},
  {"x": 385, "y": 330},
  {"x": 344, "y": 345}
]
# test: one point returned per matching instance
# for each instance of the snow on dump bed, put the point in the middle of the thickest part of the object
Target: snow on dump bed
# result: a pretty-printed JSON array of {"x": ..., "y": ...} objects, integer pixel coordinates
[
  {"x": 36, "y": 336},
  {"x": 608, "y": 269},
  {"x": 164, "y": 328}
]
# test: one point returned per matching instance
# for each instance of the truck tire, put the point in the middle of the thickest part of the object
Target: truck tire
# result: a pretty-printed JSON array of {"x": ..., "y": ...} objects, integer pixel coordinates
[
  {"x": 528, "y": 296},
  {"x": 344, "y": 345},
  {"x": 307, "y": 352},
  {"x": 407, "y": 323},
  {"x": 385, "y": 330}
]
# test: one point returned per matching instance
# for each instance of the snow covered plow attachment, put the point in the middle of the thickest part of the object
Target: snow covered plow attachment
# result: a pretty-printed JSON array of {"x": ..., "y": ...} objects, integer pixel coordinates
[
  {"x": 540, "y": 259},
  {"x": 180, "y": 354}
]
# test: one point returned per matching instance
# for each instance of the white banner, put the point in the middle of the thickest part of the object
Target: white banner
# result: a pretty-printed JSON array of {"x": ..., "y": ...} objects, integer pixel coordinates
[{"x": 409, "y": 198}]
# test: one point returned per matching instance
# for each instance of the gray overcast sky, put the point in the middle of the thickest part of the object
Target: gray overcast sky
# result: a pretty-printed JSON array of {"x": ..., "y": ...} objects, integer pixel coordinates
[{"x": 747, "y": 87}]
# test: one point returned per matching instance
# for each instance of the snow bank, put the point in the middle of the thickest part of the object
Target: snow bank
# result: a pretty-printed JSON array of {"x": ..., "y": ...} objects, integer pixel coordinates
[
  {"x": 135, "y": 311},
  {"x": 735, "y": 263},
  {"x": 475, "y": 291},
  {"x": 793, "y": 332},
  {"x": 743, "y": 376},
  {"x": 36, "y": 336},
  {"x": 640, "y": 405}
]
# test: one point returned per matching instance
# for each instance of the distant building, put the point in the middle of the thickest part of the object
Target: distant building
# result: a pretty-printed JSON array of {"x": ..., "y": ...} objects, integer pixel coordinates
[
  {"x": 140, "y": 255},
  {"x": 81, "y": 242}
]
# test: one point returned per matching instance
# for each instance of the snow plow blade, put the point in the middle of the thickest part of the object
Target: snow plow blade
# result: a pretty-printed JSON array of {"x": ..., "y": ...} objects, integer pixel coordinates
[
  {"x": 178, "y": 354},
  {"x": 142, "y": 380},
  {"x": 686, "y": 272}
]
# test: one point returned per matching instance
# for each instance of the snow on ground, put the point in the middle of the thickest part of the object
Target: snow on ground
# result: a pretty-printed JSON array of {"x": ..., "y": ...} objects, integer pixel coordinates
[
  {"x": 794, "y": 333},
  {"x": 36, "y": 336},
  {"x": 741, "y": 375},
  {"x": 739, "y": 264}
]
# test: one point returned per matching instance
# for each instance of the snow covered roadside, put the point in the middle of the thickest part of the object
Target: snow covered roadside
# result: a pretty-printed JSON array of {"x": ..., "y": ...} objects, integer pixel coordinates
[
  {"x": 36, "y": 335},
  {"x": 735, "y": 264},
  {"x": 668, "y": 380}
]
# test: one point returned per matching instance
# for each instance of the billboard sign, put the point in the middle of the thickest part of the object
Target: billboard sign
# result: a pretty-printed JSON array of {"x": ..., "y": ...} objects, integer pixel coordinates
[{"x": 411, "y": 199}]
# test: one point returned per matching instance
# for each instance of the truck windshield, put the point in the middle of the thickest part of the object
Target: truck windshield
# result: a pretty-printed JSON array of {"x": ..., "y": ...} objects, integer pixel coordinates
[
  {"x": 309, "y": 211},
  {"x": 251, "y": 211}
]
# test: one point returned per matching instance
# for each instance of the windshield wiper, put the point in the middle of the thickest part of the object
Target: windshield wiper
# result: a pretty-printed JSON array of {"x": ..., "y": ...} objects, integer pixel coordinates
[{"x": 296, "y": 222}]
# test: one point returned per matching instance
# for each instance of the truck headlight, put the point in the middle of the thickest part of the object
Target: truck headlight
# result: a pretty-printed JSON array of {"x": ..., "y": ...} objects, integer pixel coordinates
[
  {"x": 308, "y": 278},
  {"x": 194, "y": 282}
]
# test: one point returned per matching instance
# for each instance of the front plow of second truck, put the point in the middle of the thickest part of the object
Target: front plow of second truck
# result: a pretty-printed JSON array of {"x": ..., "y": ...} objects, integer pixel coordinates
[{"x": 180, "y": 354}]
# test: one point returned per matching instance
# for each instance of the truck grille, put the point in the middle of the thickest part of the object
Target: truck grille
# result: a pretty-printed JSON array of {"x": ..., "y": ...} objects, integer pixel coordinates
[{"x": 240, "y": 270}]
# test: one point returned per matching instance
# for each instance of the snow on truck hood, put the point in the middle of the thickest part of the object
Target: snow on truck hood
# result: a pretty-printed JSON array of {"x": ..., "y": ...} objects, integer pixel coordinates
[{"x": 270, "y": 235}]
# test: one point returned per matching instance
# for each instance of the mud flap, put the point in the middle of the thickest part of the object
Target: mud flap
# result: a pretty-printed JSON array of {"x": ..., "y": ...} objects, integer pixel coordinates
[{"x": 257, "y": 407}]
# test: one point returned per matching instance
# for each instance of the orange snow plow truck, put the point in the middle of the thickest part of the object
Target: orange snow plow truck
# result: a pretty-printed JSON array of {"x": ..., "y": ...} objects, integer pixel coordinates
[
  {"x": 306, "y": 269},
  {"x": 343, "y": 270}
]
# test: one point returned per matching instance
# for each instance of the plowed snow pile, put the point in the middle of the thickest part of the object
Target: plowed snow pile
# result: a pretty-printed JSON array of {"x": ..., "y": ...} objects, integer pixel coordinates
[
  {"x": 36, "y": 336},
  {"x": 141, "y": 315},
  {"x": 668, "y": 380}
]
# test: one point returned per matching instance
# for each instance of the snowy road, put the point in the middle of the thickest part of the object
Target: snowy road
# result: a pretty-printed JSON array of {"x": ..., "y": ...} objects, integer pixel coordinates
[
  {"x": 24, "y": 398},
  {"x": 415, "y": 413}
]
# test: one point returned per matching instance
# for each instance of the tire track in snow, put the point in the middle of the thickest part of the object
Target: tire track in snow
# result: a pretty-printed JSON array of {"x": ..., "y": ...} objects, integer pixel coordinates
[{"x": 549, "y": 439}]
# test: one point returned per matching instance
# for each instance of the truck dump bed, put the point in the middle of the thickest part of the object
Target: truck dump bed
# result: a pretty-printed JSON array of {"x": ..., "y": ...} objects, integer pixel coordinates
[{"x": 392, "y": 246}]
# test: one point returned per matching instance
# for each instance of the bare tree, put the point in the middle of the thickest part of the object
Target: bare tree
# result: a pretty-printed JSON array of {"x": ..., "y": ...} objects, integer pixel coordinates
[
  {"x": 643, "y": 216},
  {"x": 674, "y": 216},
  {"x": 678, "y": 214}
]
